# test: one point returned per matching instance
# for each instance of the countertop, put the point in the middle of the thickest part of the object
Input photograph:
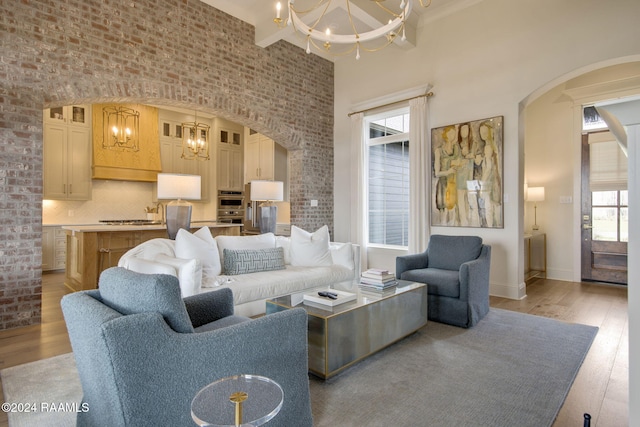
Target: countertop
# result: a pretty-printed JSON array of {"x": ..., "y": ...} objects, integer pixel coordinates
[{"x": 88, "y": 228}]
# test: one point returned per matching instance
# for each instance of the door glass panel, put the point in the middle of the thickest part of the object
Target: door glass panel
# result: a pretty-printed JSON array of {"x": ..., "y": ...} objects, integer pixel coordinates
[
  {"x": 624, "y": 198},
  {"x": 624, "y": 224},
  {"x": 610, "y": 216},
  {"x": 604, "y": 198},
  {"x": 77, "y": 115},
  {"x": 56, "y": 113},
  {"x": 605, "y": 224}
]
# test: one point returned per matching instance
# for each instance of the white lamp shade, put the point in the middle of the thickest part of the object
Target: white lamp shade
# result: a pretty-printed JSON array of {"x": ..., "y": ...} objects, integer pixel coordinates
[
  {"x": 266, "y": 190},
  {"x": 535, "y": 194},
  {"x": 179, "y": 186}
]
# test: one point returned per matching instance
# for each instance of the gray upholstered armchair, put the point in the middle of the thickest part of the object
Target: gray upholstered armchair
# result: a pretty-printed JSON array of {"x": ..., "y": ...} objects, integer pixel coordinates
[
  {"x": 456, "y": 271},
  {"x": 143, "y": 352}
]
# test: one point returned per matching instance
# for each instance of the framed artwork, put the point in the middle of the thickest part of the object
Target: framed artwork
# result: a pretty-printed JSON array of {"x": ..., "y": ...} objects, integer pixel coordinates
[{"x": 467, "y": 186}]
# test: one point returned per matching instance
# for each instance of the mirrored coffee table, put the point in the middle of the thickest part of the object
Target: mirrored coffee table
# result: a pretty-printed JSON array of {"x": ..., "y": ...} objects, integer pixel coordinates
[
  {"x": 342, "y": 335},
  {"x": 241, "y": 400}
]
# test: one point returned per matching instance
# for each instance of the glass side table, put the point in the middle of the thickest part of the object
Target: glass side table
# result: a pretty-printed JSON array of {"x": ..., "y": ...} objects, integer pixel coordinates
[{"x": 241, "y": 400}]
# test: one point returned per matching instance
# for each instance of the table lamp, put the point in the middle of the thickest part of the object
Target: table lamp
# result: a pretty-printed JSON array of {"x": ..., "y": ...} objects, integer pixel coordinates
[
  {"x": 181, "y": 187},
  {"x": 535, "y": 194},
  {"x": 267, "y": 192}
]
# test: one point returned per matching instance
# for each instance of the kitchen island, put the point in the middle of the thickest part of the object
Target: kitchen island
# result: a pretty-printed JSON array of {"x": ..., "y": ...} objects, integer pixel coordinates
[{"x": 92, "y": 249}]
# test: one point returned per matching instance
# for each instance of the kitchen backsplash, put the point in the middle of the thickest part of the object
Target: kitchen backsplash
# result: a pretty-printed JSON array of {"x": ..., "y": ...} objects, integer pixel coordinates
[{"x": 111, "y": 200}]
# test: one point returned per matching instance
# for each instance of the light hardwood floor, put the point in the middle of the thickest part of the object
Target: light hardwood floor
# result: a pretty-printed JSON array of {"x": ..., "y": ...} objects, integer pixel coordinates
[{"x": 600, "y": 389}]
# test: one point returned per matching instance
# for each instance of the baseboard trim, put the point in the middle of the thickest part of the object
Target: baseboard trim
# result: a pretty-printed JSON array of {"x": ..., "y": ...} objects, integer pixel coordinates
[{"x": 507, "y": 291}]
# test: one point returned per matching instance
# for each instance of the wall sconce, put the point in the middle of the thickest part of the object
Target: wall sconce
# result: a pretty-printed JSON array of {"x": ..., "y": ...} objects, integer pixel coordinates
[
  {"x": 121, "y": 128},
  {"x": 269, "y": 192},
  {"x": 181, "y": 187},
  {"x": 195, "y": 140},
  {"x": 535, "y": 194}
]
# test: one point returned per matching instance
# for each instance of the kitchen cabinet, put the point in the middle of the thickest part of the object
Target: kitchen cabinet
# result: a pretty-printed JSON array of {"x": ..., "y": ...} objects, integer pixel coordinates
[
  {"x": 67, "y": 154},
  {"x": 171, "y": 151},
  {"x": 230, "y": 166},
  {"x": 259, "y": 155},
  {"x": 92, "y": 249},
  {"x": 75, "y": 115},
  {"x": 265, "y": 159},
  {"x": 53, "y": 248}
]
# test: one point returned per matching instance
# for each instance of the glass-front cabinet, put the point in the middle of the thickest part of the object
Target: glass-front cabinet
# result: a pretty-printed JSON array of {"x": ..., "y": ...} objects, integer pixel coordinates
[
  {"x": 67, "y": 153},
  {"x": 77, "y": 115}
]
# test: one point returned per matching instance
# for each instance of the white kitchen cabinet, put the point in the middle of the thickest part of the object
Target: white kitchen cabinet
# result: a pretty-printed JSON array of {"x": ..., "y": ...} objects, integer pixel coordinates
[
  {"x": 67, "y": 154},
  {"x": 265, "y": 160},
  {"x": 74, "y": 115},
  {"x": 54, "y": 248},
  {"x": 259, "y": 158},
  {"x": 230, "y": 169},
  {"x": 171, "y": 151}
]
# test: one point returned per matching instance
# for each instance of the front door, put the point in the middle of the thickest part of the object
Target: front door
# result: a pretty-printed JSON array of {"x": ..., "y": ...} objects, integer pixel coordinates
[{"x": 604, "y": 215}]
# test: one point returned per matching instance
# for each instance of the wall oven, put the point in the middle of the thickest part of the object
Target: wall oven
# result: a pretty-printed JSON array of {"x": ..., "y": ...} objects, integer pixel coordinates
[{"x": 230, "y": 206}]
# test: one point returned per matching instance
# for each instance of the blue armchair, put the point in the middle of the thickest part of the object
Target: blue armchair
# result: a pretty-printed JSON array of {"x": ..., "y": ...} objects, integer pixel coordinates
[
  {"x": 143, "y": 352},
  {"x": 456, "y": 271}
]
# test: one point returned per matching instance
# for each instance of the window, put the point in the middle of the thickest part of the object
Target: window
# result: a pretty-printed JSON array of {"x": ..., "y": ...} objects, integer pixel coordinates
[
  {"x": 388, "y": 178},
  {"x": 608, "y": 163},
  {"x": 608, "y": 184},
  {"x": 591, "y": 120},
  {"x": 610, "y": 213}
]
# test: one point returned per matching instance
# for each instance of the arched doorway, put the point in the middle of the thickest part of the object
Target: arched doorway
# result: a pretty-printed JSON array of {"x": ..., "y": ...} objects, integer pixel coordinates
[{"x": 552, "y": 155}]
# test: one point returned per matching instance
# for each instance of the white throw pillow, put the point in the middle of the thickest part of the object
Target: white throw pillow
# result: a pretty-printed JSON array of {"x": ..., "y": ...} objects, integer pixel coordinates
[
  {"x": 189, "y": 273},
  {"x": 284, "y": 243},
  {"x": 342, "y": 254},
  {"x": 259, "y": 241},
  {"x": 145, "y": 266},
  {"x": 310, "y": 249},
  {"x": 199, "y": 245}
]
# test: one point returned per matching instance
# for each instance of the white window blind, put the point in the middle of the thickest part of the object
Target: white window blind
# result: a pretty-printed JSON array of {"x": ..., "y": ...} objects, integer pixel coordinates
[
  {"x": 389, "y": 193},
  {"x": 608, "y": 163},
  {"x": 388, "y": 179}
]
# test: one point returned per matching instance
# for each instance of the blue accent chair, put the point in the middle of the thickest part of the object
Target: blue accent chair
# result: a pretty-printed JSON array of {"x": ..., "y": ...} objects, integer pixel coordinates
[
  {"x": 143, "y": 352},
  {"x": 456, "y": 271}
]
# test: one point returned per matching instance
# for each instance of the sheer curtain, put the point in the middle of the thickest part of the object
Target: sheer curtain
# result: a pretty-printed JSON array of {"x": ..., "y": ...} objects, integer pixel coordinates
[
  {"x": 358, "y": 218},
  {"x": 420, "y": 175},
  {"x": 419, "y": 179}
]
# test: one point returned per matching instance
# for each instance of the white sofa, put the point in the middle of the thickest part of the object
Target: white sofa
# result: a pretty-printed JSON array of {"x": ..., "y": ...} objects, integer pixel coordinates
[{"x": 256, "y": 268}]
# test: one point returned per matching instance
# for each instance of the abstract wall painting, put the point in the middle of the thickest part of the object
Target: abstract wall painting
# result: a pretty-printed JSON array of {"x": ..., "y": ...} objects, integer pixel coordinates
[{"x": 467, "y": 178}]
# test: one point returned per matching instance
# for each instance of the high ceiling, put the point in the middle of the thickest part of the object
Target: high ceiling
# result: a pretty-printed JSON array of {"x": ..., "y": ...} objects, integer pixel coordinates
[{"x": 260, "y": 14}]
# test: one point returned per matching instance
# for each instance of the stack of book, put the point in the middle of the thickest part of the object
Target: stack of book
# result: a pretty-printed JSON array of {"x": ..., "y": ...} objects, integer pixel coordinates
[{"x": 378, "y": 279}]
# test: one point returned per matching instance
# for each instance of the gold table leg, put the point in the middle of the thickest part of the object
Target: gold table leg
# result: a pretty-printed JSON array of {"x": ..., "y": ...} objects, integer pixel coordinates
[{"x": 238, "y": 398}]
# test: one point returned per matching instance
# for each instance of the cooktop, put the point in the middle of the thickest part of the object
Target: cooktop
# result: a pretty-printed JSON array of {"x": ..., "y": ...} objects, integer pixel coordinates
[{"x": 129, "y": 222}]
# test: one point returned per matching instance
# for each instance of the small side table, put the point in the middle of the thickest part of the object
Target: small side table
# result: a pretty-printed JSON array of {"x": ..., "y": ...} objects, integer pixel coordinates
[
  {"x": 535, "y": 256},
  {"x": 241, "y": 400}
]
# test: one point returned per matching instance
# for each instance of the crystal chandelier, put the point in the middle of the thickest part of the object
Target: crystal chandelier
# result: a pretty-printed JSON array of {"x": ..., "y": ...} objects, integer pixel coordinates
[
  {"x": 370, "y": 41},
  {"x": 195, "y": 140},
  {"x": 121, "y": 128}
]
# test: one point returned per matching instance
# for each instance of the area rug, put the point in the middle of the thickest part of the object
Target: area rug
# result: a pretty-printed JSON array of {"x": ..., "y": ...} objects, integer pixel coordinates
[
  {"x": 510, "y": 369},
  {"x": 42, "y": 393}
]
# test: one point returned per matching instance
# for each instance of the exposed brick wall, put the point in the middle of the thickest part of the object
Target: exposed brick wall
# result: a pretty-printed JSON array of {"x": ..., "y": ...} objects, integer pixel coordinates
[{"x": 168, "y": 52}]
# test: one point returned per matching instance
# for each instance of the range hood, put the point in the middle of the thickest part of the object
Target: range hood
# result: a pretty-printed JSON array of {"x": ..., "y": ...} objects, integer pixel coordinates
[{"x": 122, "y": 164}]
